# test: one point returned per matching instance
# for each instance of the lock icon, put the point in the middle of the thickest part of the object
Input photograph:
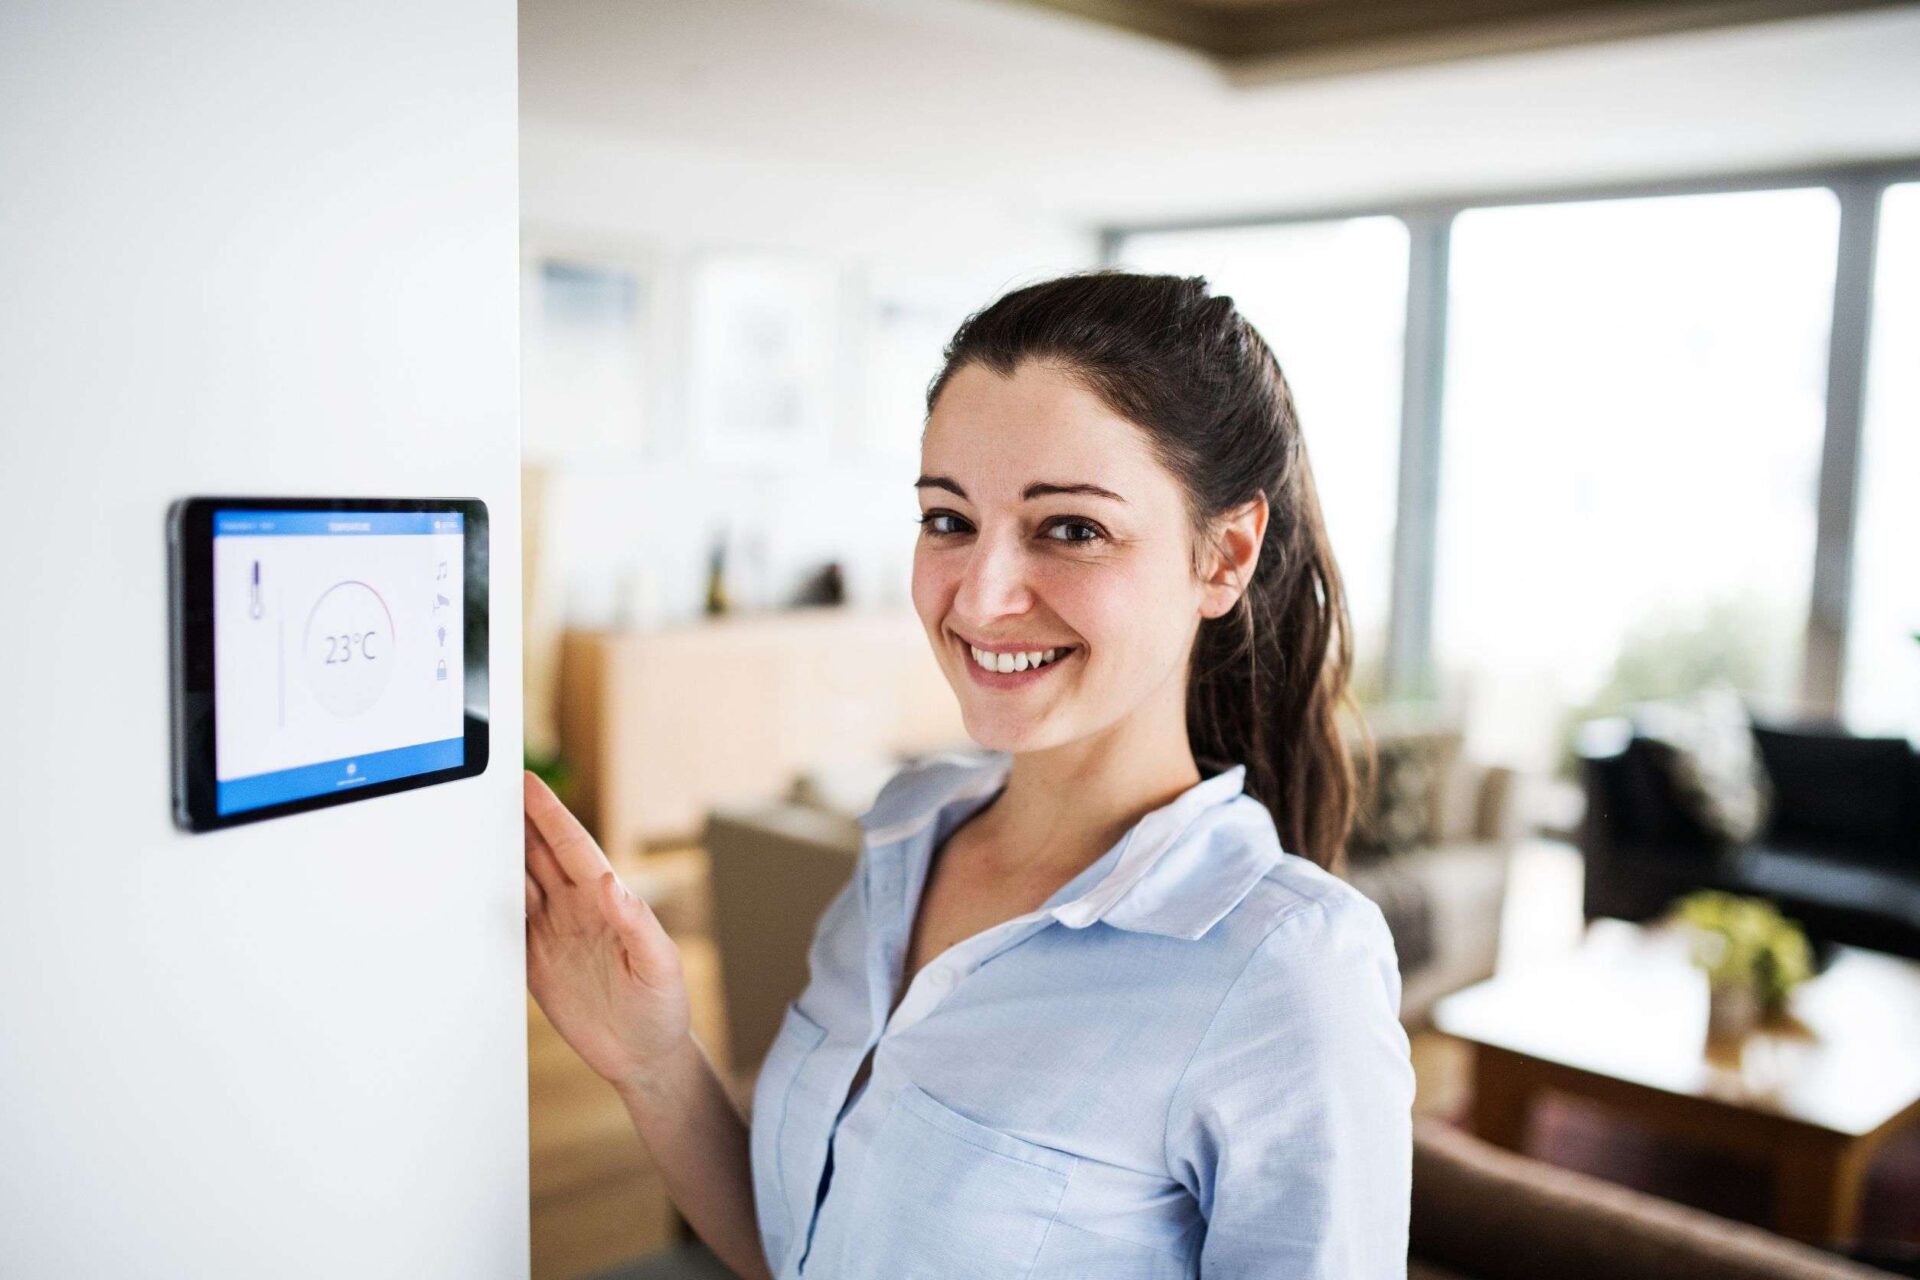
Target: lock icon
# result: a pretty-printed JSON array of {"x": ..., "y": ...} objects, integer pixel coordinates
[{"x": 440, "y": 669}]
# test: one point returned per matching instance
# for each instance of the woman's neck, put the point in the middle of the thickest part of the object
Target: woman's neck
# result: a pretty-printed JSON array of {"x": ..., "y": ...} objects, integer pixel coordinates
[{"x": 1064, "y": 806}]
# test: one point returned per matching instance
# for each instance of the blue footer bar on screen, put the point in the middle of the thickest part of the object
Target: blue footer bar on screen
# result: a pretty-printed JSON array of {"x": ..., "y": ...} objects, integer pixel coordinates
[{"x": 338, "y": 775}]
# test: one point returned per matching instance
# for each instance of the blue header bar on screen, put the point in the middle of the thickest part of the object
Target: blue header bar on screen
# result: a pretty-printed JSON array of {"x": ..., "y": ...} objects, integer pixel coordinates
[{"x": 307, "y": 524}]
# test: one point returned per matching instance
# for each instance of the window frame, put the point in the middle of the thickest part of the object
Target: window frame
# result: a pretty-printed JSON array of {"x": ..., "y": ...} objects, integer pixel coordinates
[{"x": 1859, "y": 188}]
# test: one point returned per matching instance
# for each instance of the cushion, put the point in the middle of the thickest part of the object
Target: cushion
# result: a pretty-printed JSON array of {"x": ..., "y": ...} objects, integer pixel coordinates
[
  {"x": 1403, "y": 810},
  {"x": 1833, "y": 787},
  {"x": 1634, "y": 797},
  {"x": 1704, "y": 744},
  {"x": 1403, "y": 901}
]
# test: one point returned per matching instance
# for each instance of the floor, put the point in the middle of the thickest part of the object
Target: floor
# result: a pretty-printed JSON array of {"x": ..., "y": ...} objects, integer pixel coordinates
[{"x": 680, "y": 1262}]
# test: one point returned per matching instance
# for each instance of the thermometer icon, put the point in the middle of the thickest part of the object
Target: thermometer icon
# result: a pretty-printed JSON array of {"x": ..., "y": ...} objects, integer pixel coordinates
[{"x": 254, "y": 608}]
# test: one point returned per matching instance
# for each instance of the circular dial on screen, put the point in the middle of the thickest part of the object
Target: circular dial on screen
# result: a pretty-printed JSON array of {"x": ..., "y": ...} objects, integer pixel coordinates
[{"x": 349, "y": 649}]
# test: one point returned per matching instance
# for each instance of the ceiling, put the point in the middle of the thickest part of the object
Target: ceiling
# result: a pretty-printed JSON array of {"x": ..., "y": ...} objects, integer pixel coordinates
[
  {"x": 909, "y": 105},
  {"x": 1284, "y": 39}
]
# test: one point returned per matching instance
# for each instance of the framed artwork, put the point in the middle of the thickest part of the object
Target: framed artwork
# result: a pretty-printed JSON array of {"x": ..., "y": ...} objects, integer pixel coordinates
[
  {"x": 588, "y": 355},
  {"x": 762, "y": 335},
  {"x": 909, "y": 319}
]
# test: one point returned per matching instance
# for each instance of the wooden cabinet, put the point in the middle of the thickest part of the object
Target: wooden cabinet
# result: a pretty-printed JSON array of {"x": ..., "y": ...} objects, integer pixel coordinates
[{"x": 659, "y": 726}]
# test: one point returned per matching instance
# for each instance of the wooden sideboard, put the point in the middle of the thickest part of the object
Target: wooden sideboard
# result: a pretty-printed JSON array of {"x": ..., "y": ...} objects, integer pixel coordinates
[{"x": 658, "y": 726}]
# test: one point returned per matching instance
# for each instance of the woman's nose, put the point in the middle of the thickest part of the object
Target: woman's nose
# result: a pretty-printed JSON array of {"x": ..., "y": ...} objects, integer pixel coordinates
[{"x": 994, "y": 581}]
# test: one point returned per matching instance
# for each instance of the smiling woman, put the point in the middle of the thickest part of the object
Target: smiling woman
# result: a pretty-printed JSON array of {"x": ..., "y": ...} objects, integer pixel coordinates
[
  {"x": 1098, "y": 1002},
  {"x": 1055, "y": 402}
]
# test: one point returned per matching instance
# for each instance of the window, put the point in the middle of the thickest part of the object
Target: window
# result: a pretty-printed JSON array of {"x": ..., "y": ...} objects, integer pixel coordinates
[
  {"x": 1635, "y": 401},
  {"x": 1882, "y": 688},
  {"x": 1330, "y": 299}
]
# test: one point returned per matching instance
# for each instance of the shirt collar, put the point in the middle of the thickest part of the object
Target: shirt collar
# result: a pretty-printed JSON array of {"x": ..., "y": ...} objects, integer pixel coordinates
[{"x": 1176, "y": 872}]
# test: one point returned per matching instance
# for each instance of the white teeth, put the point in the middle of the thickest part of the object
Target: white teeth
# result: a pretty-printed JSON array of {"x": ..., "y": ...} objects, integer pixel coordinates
[{"x": 1011, "y": 662}]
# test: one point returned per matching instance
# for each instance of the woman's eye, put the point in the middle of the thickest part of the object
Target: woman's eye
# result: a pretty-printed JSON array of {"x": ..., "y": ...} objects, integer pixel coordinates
[
  {"x": 931, "y": 522},
  {"x": 1091, "y": 530}
]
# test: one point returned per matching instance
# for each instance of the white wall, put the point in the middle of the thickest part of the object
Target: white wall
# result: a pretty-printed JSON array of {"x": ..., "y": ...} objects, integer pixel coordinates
[
  {"x": 885, "y": 237},
  {"x": 248, "y": 248}
]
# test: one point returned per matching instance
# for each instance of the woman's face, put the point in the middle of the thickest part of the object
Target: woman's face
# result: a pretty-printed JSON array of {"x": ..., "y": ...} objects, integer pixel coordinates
[{"x": 1101, "y": 575}]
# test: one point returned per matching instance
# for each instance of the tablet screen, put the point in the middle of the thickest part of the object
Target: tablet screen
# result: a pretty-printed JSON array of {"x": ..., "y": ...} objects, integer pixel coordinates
[{"x": 337, "y": 651}]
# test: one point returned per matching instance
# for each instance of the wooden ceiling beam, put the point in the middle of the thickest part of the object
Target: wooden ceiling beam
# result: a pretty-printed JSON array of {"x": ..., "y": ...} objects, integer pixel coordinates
[{"x": 1294, "y": 39}]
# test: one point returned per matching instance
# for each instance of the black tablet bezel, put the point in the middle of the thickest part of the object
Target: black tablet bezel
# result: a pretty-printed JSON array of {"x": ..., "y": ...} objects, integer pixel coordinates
[{"x": 190, "y": 556}]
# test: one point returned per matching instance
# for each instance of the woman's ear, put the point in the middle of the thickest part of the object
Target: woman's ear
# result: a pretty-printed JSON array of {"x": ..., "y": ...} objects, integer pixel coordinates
[{"x": 1236, "y": 551}]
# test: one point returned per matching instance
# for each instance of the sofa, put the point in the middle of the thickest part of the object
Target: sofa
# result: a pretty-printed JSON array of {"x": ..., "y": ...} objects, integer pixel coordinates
[
  {"x": 1442, "y": 881},
  {"x": 1480, "y": 1212},
  {"x": 1840, "y": 851}
]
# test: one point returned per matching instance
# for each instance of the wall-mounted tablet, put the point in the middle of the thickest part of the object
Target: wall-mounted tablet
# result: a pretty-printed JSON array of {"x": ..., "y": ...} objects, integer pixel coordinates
[{"x": 325, "y": 650}]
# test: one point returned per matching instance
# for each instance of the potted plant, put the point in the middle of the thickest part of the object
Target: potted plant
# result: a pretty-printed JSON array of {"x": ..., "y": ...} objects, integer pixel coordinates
[
  {"x": 551, "y": 768},
  {"x": 1753, "y": 957}
]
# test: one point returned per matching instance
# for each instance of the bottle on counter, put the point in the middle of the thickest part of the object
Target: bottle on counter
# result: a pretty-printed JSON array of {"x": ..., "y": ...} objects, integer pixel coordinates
[{"x": 718, "y": 602}]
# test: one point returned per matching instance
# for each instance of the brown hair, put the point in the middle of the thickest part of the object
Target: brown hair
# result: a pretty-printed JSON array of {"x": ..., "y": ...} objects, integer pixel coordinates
[{"x": 1265, "y": 680}]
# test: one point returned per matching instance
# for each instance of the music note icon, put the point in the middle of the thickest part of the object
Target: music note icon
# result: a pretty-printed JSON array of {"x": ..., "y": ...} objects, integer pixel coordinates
[{"x": 441, "y": 576}]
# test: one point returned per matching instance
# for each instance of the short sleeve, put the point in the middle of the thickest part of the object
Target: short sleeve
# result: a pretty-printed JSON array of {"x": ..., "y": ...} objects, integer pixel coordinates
[{"x": 1292, "y": 1124}]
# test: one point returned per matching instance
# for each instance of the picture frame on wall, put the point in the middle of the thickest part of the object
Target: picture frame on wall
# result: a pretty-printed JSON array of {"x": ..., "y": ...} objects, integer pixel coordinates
[
  {"x": 590, "y": 361},
  {"x": 761, "y": 386},
  {"x": 909, "y": 318}
]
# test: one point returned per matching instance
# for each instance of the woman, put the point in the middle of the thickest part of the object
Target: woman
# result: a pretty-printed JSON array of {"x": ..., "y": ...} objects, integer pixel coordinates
[{"x": 1095, "y": 1004}]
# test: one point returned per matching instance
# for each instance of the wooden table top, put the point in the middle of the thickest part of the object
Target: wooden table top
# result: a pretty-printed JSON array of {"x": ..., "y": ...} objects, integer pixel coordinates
[{"x": 1629, "y": 1005}]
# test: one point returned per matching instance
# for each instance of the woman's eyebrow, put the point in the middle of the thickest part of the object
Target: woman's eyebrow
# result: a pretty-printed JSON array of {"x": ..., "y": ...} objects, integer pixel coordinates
[
  {"x": 1040, "y": 488},
  {"x": 1037, "y": 489}
]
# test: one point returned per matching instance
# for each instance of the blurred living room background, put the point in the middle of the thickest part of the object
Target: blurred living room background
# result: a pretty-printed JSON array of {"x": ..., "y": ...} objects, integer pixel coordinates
[{"x": 1603, "y": 321}]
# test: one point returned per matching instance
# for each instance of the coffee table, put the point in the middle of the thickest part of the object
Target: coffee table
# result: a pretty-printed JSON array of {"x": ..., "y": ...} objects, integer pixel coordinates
[{"x": 1622, "y": 1021}]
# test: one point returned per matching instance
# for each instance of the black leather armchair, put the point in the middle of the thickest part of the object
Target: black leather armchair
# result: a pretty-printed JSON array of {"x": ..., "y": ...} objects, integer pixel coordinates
[{"x": 1841, "y": 853}]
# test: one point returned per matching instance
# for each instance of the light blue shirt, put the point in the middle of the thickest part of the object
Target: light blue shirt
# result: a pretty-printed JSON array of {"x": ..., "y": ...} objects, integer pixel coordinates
[{"x": 1187, "y": 1062}]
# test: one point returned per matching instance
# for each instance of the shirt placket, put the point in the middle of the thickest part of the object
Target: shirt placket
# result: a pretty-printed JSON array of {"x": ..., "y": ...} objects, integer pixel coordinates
[
  {"x": 935, "y": 983},
  {"x": 889, "y": 922}
]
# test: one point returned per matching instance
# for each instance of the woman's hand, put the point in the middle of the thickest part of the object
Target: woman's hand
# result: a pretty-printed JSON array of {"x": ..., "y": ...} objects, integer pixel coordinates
[
  {"x": 603, "y": 970},
  {"x": 610, "y": 981}
]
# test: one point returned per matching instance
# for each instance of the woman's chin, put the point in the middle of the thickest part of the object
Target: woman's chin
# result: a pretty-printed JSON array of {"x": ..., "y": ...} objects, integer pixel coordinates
[{"x": 1002, "y": 732}]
